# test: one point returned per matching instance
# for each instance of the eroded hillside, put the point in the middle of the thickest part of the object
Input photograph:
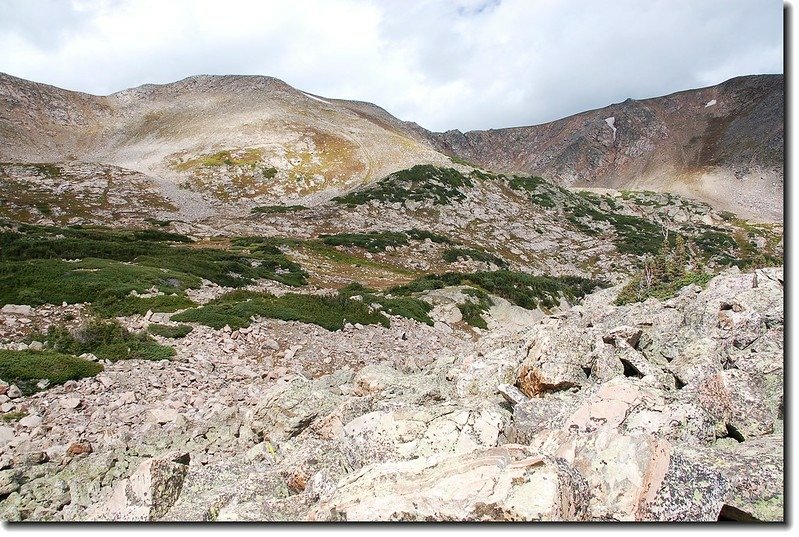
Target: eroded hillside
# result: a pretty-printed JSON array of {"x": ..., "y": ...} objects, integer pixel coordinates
[
  {"x": 227, "y": 138},
  {"x": 723, "y": 145}
]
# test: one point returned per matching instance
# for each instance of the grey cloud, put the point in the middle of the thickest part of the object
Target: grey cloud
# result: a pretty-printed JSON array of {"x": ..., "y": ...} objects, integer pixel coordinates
[
  {"x": 467, "y": 64},
  {"x": 43, "y": 23}
]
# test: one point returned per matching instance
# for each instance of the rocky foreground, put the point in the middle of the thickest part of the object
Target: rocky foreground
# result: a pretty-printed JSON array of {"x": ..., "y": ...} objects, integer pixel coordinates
[{"x": 662, "y": 410}]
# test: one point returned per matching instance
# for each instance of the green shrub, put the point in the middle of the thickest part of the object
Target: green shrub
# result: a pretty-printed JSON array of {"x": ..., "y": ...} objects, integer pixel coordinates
[
  {"x": 410, "y": 308},
  {"x": 105, "y": 283},
  {"x": 540, "y": 192},
  {"x": 530, "y": 184},
  {"x": 277, "y": 209},
  {"x": 156, "y": 235},
  {"x": 472, "y": 312},
  {"x": 173, "y": 332},
  {"x": 522, "y": 289},
  {"x": 422, "y": 182},
  {"x": 634, "y": 235},
  {"x": 716, "y": 244},
  {"x": 148, "y": 248},
  {"x": 237, "y": 310},
  {"x": 50, "y": 170},
  {"x": 132, "y": 305},
  {"x": 420, "y": 235},
  {"x": 663, "y": 275},
  {"x": 26, "y": 368},
  {"x": 374, "y": 241},
  {"x": 108, "y": 341},
  {"x": 637, "y": 290},
  {"x": 483, "y": 176}
]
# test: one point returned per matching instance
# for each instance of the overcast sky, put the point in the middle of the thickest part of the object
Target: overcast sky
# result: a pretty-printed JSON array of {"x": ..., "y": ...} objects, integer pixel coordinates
[{"x": 466, "y": 64}]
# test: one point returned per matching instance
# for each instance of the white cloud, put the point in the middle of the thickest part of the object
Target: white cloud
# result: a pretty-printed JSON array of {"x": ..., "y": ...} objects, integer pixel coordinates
[{"x": 444, "y": 63}]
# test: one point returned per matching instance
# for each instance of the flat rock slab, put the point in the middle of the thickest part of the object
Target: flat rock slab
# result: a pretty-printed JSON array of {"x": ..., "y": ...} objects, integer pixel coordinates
[{"x": 507, "y": 483}]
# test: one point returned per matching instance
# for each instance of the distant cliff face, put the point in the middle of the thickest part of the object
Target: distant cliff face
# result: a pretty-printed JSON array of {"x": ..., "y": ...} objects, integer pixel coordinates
[{"x": 723, "y": 144}]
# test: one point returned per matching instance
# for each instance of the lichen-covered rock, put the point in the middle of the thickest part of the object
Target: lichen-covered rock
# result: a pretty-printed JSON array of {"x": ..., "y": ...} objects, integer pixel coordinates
[
  {"x": 735, "y": 482},
  {"x": 510, "y": 483},
  {"x": 411, "y": 432},
  {"x": 736, "y": 401},
  {"x": 148, "y": 493},
  {"x": 401, "y": 387},
  {"x": 557, "y": 359},
  {"x": 209, "y": 488},
  {"x": 540, "y": 413},
  {"x": 288, "y": 408},
  {"x": 697, "y": 359}
]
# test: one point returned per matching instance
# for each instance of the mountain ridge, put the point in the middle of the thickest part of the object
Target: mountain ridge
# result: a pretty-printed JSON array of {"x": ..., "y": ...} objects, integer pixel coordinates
[
  {"x": 622, "y": 145},
  {"x": 721, "y": 144}
]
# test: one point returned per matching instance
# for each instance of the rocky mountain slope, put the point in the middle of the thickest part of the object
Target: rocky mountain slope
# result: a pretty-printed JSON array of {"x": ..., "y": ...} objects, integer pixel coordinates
[
  {"x": 662, "y": 410},
  {"x": 213, "y": 144},
  {"x": 228, "y": 138},
  {"x": 722, "y": 144},
  {"x": 225, "y": 312}
]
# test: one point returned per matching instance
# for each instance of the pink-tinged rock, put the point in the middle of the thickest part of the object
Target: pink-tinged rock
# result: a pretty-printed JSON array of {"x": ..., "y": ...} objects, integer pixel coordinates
[
  {"x": 31, "y": 421},
  {"x": 69, "y": 403},
  {"x": 163, "y": 415},
  {"x": 506, "y": 483}
]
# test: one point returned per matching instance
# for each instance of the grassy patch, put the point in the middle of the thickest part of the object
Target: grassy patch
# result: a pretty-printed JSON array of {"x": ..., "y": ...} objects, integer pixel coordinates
[
  {"x": 462, "y": 162},
  {"x": 451, "y": 255},
  {"x": 9, "y": 417},
  {"x": 173, "y": 332},
  {"x": 420, "y": 235},
  {"x": 340, "y": 257},
  {"x": 375, "y": 241},
  {"x": 238, "y": 308},
  {"x": 522, "y": 289},
  {"x": 26, "y": 368},
  {"x": 132, "y": 305},
  {"x": 472, "y": 312},
  {"x": 228, "y": 157},
  {"x": 41, "y": 264},
  {"x": 410, "y": 308},
  {"x": 106, "y": 340},
  {"x": 420, "y": 183}
]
